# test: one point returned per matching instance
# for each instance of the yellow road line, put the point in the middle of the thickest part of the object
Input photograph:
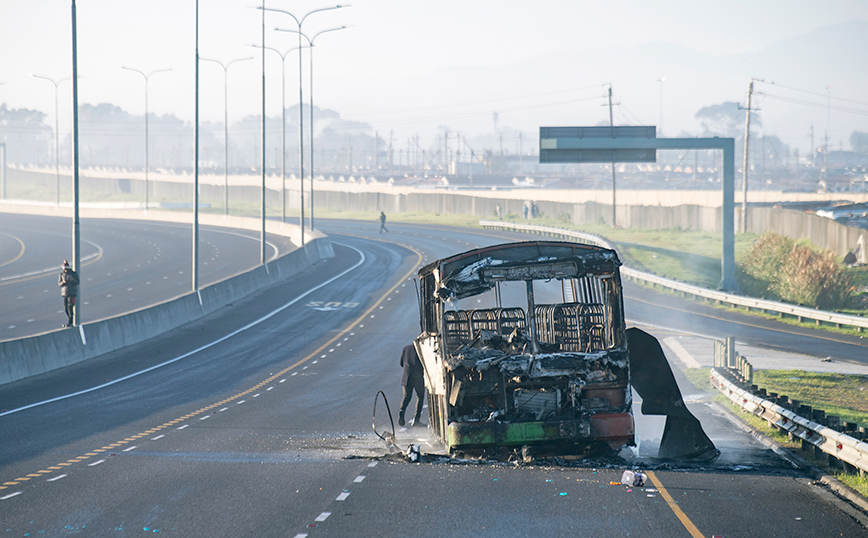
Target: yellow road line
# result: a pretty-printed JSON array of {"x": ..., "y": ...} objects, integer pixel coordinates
[
  {"x": 255, "y": 387},
  {"x": 691, "y": 528},
  {"x": 20, "y": 253}
]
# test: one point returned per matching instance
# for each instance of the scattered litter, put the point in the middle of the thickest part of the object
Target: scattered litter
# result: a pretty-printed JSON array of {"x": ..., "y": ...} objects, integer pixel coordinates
[
  {"x": 651, "y": 495},
  {"x": 413, "y": 453},
  {"x": 390, "y": 442},
  {"x": 651, "y": 490},
  {"x": 827, "y": 359},
  {"x": 563, "y": 493},
  {"x": 633, "y": 478}
]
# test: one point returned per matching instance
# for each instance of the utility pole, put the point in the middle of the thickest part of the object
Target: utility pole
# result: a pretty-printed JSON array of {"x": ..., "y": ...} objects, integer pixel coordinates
[
  {"x": 391, "y": 152},
  {"x": 747, "y": 112}
]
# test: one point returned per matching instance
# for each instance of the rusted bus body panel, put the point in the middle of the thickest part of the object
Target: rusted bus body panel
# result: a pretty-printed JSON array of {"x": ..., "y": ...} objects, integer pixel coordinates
[{"x": 540, "y": 374}]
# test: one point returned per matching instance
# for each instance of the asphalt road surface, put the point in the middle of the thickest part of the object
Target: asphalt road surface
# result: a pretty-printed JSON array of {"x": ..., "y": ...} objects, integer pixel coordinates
[
  {"x": 127, "y": 265},
  {"x": 256, "y": 421}
]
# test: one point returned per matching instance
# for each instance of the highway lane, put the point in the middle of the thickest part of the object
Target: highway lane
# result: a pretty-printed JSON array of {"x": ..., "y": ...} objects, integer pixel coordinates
[
  {"x": 251, "y": 436},
  {"x": 127, "y": 265}
]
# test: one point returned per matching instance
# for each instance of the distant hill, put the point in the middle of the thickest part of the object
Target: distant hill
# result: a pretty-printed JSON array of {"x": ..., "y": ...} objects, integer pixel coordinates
[{"x": 835, "y": 55}]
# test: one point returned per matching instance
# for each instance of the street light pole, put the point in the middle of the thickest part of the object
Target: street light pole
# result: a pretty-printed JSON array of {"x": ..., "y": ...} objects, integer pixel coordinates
[
  {"x": 146, "y": 77},
  {"x": 56, "y": 133},
  {"x": 300, "y": 22},
  {"x": 225, "y": 126},
  {"x": 76, "y": 228},
  {"x": 310, "y": 42},
  {"x": 661, "y": 80},
  {"x": 283, "y": 123}
]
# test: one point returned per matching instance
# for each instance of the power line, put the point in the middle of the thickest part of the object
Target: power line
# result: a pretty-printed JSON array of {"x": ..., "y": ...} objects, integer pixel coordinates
[
  {"x": 813, "y": 104},
  {"x": 814, "y": 93}
]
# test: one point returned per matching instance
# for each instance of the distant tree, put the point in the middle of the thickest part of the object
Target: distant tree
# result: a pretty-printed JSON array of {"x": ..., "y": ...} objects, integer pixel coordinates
[
  {"x": 725, "y": 119},
  {"x": 859, "y": 142},
  {"x": 29, "y": 140}
]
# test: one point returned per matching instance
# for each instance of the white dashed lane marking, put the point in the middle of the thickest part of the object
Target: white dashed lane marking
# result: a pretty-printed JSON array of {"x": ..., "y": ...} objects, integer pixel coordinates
[
  {"x": 94, "y": 464},
  {"x": 130, "y": 448},
  {"x": 323, "y": 516},
  {"x": 157, "y": 437},
  {"x": 343, "y": 496},
  {"x": 359, "y": 478},
  {"x": 3, "y": 498},
  {"x": 182, "y": 427},
  {"x": 58, "y": 477}
]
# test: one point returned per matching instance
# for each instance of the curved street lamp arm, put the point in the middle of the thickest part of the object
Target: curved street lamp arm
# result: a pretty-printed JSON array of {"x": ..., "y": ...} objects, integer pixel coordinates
[
  {"x": 321, "y": 9},
  {"x": 295, "y": 32},
  {"x": 147, "y": 76},
  {"x": 282, "y": 55},
  {"x": 316, "y": 35},
  {"x": 55, "y": 82},
  {"x": 280, "y": 11},
  {"x": 298, "y": 21}
]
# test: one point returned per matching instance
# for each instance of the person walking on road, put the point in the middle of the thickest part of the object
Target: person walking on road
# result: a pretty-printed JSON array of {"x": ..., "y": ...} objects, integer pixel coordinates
[
  {"x": 383, "y": 223},
  {"x": 68, "y": 282},
  {"x": 412, "y": 380}
]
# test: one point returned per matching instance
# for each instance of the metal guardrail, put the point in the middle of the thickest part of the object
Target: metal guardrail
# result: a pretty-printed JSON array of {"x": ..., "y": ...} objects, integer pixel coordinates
[
  {"x": 836, "y": 444},
  {"x": 763, "y": 305}
]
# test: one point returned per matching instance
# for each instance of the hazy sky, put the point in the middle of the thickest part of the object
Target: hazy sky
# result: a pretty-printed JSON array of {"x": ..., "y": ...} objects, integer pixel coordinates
[{"x": 384, "y": 70}]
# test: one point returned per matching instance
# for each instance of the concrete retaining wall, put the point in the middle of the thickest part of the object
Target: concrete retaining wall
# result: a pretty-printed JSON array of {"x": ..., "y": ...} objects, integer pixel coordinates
[{"x": 39, "y": 354}]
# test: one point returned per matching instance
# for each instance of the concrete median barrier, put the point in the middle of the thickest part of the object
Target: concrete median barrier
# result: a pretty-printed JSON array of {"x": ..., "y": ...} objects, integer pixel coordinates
[{"x": 42, "y": 353}]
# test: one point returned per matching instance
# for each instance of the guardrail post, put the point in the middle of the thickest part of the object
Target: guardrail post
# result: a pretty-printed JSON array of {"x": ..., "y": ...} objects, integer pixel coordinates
[
  {"x": 730, "y": 352},
  {"x": 819, "y": 416},
  {"x": 833, "y": 422},
  {"x": 719, "y": 354}
]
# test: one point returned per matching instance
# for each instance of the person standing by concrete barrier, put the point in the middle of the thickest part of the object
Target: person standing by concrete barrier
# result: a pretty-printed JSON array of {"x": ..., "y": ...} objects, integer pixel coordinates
[{"x": 68, "y": 282}]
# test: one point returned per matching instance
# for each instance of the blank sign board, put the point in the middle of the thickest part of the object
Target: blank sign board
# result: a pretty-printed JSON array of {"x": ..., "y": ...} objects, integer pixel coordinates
[{"x": 570, "y": 145}]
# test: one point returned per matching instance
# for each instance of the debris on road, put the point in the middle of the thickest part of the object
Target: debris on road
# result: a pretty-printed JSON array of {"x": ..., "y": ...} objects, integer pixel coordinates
[{"x": 633, "y": 478}]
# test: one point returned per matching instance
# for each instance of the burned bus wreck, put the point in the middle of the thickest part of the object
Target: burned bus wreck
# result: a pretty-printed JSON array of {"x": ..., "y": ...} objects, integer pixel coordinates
[{"x": 525, "y": 344}]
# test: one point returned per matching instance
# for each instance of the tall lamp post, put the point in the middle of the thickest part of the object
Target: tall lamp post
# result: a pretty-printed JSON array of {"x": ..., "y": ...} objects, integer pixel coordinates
[
  {"x": 146, "y": 77},
  {"x": 225, "y": 126},
  {"x": 300, "y": 22},
  {"x": 56, "y": 132},
  {"x": 311, "y": 41},
  {"x": 661, "y": 80},
  {"x": 283, "y": 123}
]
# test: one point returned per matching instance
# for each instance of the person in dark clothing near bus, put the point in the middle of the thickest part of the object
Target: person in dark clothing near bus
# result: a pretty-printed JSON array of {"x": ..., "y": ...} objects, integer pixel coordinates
[
  {"x": 412, "y": 380},
  {"x": 68, "y": 282}
]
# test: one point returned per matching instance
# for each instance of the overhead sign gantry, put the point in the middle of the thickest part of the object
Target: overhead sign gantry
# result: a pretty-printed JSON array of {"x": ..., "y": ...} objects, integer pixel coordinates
[{"x": 640, "y": 144}]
